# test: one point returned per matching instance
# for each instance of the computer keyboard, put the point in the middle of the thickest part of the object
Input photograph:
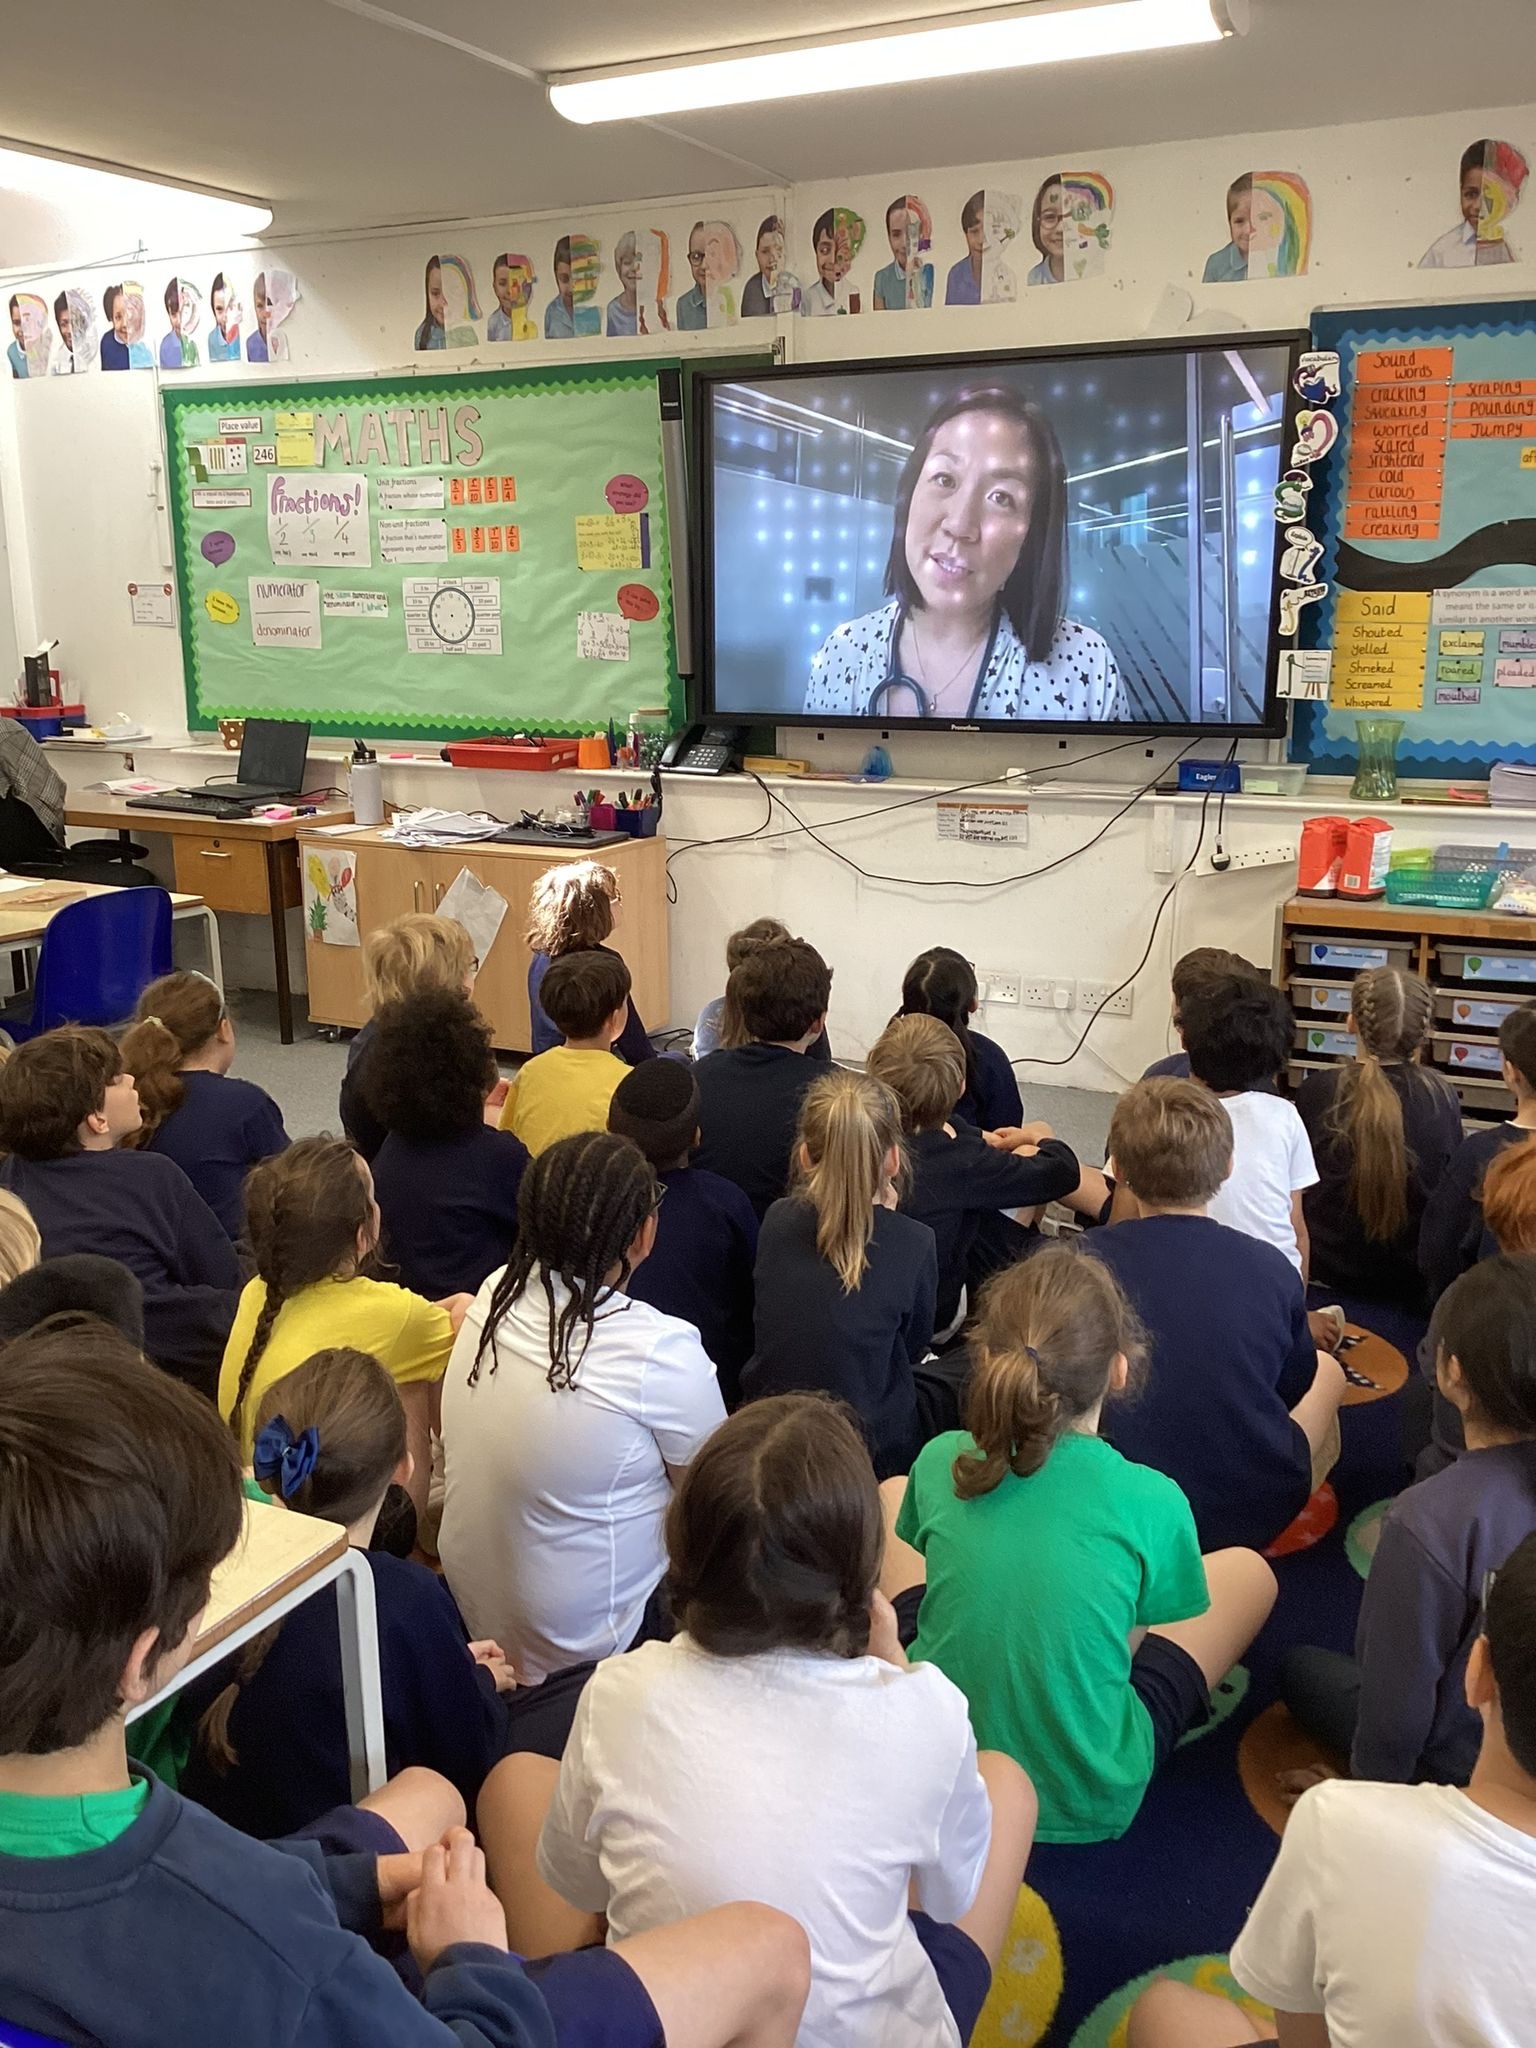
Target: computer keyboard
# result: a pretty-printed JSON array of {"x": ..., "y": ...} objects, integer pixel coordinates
[{"x": 209, "y": 806}]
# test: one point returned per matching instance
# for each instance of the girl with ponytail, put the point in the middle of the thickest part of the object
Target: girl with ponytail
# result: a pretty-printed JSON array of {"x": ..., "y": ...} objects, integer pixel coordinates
[
  {"x": 1060, "y": 1586},
  {"x": 1383, "y": 1130},
  {"x": 272, "y": 1749},
  {"x": 180, "y": 1050},
  {"x": 568, "y": 1410},
  {"x": 845, "y": 1286},
  {"x": 314, "y": 1225},
  {"x": 942, "y": 983}
]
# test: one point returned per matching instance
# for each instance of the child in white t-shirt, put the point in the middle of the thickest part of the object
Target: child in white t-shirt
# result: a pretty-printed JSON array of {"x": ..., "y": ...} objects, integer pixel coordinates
[
  {"x": 780, "y": 1749},
  {"x": 1399, "y": 1914},
  {"x": 1237, "y": 1032}
]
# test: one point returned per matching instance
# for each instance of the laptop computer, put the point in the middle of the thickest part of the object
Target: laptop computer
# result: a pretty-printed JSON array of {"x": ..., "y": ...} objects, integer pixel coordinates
[{"x": 273, "y": 753}]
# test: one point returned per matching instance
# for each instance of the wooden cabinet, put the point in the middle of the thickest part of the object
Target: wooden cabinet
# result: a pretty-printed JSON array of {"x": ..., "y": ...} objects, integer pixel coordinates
[
  {"x": 392, "y": 880},
  {"x": 230, "y": 874}
]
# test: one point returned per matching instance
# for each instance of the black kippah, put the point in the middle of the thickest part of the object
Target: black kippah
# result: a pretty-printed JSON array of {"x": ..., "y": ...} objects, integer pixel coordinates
[{"x": 657, "y": 1091}]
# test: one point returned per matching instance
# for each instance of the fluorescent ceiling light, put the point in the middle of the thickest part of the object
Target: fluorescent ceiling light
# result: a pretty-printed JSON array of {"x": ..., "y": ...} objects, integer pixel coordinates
[
  {"x": 97, "y": 204},
  {"x": 955, "y": 46}
]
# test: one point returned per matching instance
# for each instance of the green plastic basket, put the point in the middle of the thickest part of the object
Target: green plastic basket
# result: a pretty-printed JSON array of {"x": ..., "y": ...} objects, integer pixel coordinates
[{"x": 1440, "y": 888}]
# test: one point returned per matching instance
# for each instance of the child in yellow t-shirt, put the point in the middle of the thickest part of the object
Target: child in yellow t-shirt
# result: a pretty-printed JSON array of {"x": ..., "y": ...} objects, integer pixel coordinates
[
  {"x": 313, "y": 1221},
  {"x": 568, "y": 1089}
]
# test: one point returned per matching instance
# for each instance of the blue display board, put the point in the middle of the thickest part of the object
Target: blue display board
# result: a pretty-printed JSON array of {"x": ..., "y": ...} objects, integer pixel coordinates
[{"x": 1427, "y": 511}]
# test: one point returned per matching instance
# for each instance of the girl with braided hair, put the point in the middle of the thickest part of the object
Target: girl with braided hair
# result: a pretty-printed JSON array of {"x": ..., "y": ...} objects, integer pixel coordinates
[
  {"x": 1060, "y": 1586},
  {"x": 1383, "y": 1129},
  {"x": 567, "y": 1411},
  {"x": 313, "y": 1225}
]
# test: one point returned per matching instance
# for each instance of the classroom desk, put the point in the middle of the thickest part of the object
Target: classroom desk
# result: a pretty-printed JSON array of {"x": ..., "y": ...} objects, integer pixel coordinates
[
  {"x": 250, "y": 865},
  {"x": 24, "y": 925},
  {"x": 281, "y": 1559}
]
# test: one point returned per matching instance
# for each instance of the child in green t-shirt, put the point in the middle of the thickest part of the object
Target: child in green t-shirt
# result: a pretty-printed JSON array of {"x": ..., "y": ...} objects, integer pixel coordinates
[{"x": 1061, "y": 1587}]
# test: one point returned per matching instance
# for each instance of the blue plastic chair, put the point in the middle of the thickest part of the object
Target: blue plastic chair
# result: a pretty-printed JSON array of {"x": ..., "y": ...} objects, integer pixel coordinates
[{"x": 97, "y": 958}]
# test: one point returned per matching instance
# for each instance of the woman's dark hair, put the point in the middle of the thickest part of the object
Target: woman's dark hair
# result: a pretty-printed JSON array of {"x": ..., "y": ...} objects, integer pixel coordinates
[
  {"x": 579, "y": 1209},
  {"x": 305, "y": 1209},
  {"x": 354, "y": 1408},
  {"x": 774, "y": 1534},
  {"x": 1486, "y": 1321},
  {"x": 429, "y": 1066},
  {"x": 942, "y": 983},
  {"x": 1048, "y": 1333},
  {"x": 119, "y": 1493},
  {"x": 1034, "y": 594},
  {"x": 971, "y": 212},
  {"x": 48, "y": 1087},
  {"x": 178, "y": 1014},
  {"x": 430, "y": 320}
]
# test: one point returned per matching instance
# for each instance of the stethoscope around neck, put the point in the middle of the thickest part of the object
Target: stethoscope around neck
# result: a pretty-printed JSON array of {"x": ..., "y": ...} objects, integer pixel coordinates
[{"x": 883, "y": 698}]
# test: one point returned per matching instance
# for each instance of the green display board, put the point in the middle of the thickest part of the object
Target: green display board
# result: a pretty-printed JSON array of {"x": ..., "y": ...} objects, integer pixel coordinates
[{"x": 424, "y": 557}]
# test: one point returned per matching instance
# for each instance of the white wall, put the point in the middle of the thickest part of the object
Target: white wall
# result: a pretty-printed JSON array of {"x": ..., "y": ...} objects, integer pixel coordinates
[{"x": 79, "y": 480}]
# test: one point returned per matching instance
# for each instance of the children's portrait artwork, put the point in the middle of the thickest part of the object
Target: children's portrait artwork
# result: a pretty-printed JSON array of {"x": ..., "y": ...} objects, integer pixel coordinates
[
  {"x": 906, "y": 282},
  {"x": 74, "y": 318},
  {"x": 1269, "y": 229},
  {"x": 28, "y": 348},
  {"x": 274, "y": 294},
  {"x": 1070, "y": 225},
  {"x": 225, "y": 309},
  {"x": 512, "y": 280},
  {"x": 183, "y": 312},
  {"x": 451, "y": 307},
  {"x": 1492, "y": 178},
  {"x": 772, "y": 288},
  {"x": 1001, "y": 223},
  {"x": 122, "y": 344},
  {"x": 722, "y": 266},
  {"x": 837, "y": 236}
]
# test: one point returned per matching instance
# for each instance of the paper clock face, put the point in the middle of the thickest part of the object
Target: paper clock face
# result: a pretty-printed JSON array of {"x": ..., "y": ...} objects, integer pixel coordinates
[{"x": 452, "y": 614}]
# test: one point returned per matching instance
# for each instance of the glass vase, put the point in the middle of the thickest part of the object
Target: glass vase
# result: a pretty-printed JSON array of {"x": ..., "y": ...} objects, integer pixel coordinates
[{"x": 1376, "y": 776}]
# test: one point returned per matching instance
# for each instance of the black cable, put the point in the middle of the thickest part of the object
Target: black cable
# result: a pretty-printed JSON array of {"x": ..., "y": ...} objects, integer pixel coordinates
[
  {"x": 728, "y": 839},
  {"x": 1026, "y": 1059}
]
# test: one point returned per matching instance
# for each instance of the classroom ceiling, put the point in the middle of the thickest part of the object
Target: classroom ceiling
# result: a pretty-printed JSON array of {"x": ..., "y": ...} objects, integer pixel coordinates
[{"x": 338, "y": 116}]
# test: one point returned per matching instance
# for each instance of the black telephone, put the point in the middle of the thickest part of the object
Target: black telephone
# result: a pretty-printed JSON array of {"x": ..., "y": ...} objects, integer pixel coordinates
[{"x": 705, "y": 750}]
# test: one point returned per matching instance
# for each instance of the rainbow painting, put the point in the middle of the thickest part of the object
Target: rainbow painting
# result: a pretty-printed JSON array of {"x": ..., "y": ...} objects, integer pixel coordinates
[
  {"x": 1282, "y": 225},
  {"x": 1090, "y": 199}
]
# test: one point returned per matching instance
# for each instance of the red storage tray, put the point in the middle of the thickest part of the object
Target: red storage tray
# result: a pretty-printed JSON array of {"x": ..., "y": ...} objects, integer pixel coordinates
[{"x": 539, "y": 755}]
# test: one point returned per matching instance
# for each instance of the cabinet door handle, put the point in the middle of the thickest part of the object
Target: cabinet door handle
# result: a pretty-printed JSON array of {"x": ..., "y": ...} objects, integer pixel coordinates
[
  {"x": 416, "y": 895},
  {"x": 208, "y": 853},
  {"x": 439, "y": 891}
]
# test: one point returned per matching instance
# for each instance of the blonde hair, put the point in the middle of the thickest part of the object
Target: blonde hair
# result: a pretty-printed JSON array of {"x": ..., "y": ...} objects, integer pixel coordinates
[
  {"x": 849, "y": 1125},
  {"x": 1047, "y": 1337},
  {"x": 415, "y": 952},
  {"x": 1392, "y": 1013},
  {"x": 21, "y": 1244},
  {"x": 923, "y": 1064},
  {"x": 571, "y": 907}
]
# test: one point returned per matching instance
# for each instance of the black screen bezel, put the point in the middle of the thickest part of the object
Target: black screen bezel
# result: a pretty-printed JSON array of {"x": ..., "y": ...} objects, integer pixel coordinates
[{"x": 1274, "y": 722}]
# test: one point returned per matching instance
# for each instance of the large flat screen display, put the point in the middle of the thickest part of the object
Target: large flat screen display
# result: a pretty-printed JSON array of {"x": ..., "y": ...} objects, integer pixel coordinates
[{"x": 1059, "y": 541}]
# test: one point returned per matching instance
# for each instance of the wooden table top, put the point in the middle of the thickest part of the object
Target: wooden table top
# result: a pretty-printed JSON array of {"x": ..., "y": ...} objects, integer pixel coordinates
[
  {"x": 115, "y": 814},
  {"x": 30, "y": 916},
  {"x": 277, "y": 1552}
]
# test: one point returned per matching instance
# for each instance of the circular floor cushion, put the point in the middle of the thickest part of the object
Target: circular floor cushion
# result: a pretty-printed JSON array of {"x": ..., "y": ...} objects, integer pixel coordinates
[
  {"x": 1273, "y": 1743},
  {"x": 1310, "y": 1526},
  {"x": 1363, "y": 1535},
  {"x": 1374, "y": 1359},
  {"x": 1105, "y": 2026},
  {"x": 1026, "y": 1985}
]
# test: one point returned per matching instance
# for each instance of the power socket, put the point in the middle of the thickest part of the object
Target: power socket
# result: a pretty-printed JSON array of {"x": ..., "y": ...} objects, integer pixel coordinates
[
  {"x": 1047, "y": 995},
  {"x": 1265, "y": 857},
  {"x": 1093, "y": 996},
  {"x": 997, "y": 985}
]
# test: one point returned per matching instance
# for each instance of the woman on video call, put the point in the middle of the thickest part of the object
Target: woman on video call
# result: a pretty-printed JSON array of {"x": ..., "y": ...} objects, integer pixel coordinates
[{"x": 977, "y": 578}]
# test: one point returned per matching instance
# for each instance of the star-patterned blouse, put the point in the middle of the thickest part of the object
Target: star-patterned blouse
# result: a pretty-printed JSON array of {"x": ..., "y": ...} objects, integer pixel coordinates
[{"x": 1078, "y": 681}]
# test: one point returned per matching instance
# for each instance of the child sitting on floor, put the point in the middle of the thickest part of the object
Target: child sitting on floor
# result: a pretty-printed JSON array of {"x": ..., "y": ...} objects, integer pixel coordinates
[
  {"x": 716, "y": 1026},
  {"x": 273, "y": 1749},
  {"x": 1237, "y": 1032},
  {"x": 21, "y": 1243},
  {"x": 1239, "y": 1406},
  {"x": 960, "y": 1184},
  {"x": 569, "y": 1410},
  {"x": 1383, "y": 1129},
  {"x": 845, "y": 1286},
  {"x": 1397, "y": 1709},
  {"x": 66, "y": 1104},
  {"x": 781, "y": 1746},
  {"x": 415, "y": 953},
  {"x": 1453, "y": 1235},
  {"x": 1060, "y": 1586},
  {"x": 569, "y": 1088},
  {"x": 700, "y": 1267},
  {"x": 942, "y": 983},
  {"x": 446, "y": 1183},
  {"x": 129, "y": 1915},
  {"x": 1398, "y": 1913},
  {"x": 571, "y": 910},
  {"x": 1189, "y": 970},
  {"x": 192, "y": 1109},
  {"x": 313, "y": 1224}
]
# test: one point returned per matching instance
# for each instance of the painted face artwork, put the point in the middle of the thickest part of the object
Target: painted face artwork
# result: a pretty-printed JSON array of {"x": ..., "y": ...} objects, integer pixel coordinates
[
  {"x": 263, "y": 306},
  {"x": 970, "y": 512},
  {"x": 437, "y": 299},
  {"x": 1053, "y": 217},
  {"x": 66, "y": 333},
  {"x": 120, "y": 315}
]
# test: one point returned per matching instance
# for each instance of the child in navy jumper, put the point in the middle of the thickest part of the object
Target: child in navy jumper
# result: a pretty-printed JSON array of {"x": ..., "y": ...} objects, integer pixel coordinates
[
  {"x": 130, "y": 1915},
  {"x": 445, "y": 1181},
  {"x": 716, "y": 1025},
  {"x": 415, "y": 954},
  {"x": 1453, "y": 1234},
  {"x": 66, "y": 1104},
  {"x": 942, "y": 983},
  {"x": 193, "y": 1109},
  {"x": 272, "y": 1750},
  {"x": 700, "y": 1267},
  {"x": 1239, "y": 1405},
  {"x": 845, "y": 1285}
]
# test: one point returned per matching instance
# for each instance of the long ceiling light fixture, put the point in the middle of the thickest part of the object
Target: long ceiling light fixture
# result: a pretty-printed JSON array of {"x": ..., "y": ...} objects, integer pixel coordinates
[{"x": 948, "y": 46}]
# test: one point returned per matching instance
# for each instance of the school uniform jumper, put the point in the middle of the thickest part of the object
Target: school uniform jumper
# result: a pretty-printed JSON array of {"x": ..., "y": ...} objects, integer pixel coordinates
[
  {"x": 1452, "y": 1235},
  {"x": 449, "y": 1206},
  {"x": 222, "y": 1127},
  {"x": 700, "y": 1268},
  {"x": 960, "y": 1185},
  {"x": 749, "y": 1107}
]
